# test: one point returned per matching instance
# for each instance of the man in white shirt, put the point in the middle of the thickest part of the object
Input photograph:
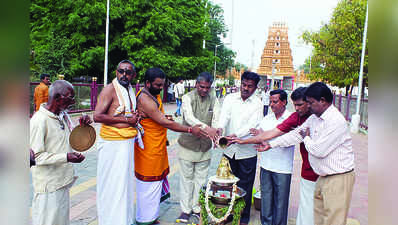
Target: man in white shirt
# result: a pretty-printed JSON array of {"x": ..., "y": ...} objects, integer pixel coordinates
[
  {"x": 170, "y": 92},
  {"x": 265, "y": 99},
  {"x": 327, "y": 139},
  {"x": 53, "y": 175},
  {"x": 276, "y": 167},
  {"x": 179, "y": 91},
  {"x": 199, "y": 106},
  {"x": 240, "y": 112}
]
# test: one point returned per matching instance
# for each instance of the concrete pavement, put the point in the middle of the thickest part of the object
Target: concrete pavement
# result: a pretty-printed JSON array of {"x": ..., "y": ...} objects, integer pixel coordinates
[{"x": 83, "y": 199}]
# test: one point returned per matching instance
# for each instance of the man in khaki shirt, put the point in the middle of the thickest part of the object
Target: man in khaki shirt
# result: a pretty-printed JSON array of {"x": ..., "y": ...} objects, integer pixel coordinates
[{"x": 53, "y": 175}]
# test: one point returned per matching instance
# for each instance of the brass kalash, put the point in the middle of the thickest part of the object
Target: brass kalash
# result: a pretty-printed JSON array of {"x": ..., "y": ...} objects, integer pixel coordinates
[{"x": 222, "y": 190}]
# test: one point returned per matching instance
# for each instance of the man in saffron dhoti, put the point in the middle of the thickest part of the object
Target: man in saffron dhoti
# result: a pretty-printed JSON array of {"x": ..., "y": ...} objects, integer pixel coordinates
[
  {"x": 115, "y": 167},
  {"x": 151, "y": 162}
]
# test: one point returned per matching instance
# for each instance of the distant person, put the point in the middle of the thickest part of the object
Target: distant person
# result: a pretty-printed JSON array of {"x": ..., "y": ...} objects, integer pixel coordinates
[
  {"x": 116, "y": 111},
  {"x": 41, "y": 91},
  {"x": 170, "y": 92},
  {"x": 179, "y": 91},
  {"x": 53, "y": 175},
  {"x": 327, "y": 139},
  {"x": 265, "y": 99}
]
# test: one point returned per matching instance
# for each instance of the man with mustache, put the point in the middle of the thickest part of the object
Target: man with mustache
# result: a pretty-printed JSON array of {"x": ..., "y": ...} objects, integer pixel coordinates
[
  {"x": 199, "y": 106},
  {"x": 305, "y": 214},
  {"x": 115, "y": 167},
  {"x": 328, "y": 141},
  {"x": 151, "y": 160},
  {"x": 240, "y": 112}
]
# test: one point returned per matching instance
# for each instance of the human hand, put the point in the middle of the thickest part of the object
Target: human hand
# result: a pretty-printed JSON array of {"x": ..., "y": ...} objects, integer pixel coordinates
[
  {"x": 236, "y": 140},
  {"x": 85, "y": 120},
  {"x": 305, "y": 132},
  {"x": 74, "y": 157},
  {"x": 32, "y": 158},
  {"x": 254, "y": 131},
  {"x": 264, "y": 146},
  {"x": 198, "y": 132},
  {"x": 133, "y": 119},
  {"x": 230, "y": 138},
  {"x": 211, "y": 133}
]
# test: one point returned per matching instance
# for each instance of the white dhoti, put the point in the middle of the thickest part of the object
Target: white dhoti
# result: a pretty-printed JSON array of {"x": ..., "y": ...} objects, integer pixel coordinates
[
  {"x": 148, "y": 201},
  {"x": 305, "y": 214},
  {"x": 51, "y": 208},
  {"x": 115, "y": 182}
]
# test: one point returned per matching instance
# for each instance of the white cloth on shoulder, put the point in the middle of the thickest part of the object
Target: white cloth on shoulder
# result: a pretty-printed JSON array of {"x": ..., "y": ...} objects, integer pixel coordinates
[{"x": 125, "y": 96}]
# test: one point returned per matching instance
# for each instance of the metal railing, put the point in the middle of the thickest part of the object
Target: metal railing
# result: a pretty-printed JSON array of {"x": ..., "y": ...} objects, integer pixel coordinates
[{"x": 347, "y": 106}]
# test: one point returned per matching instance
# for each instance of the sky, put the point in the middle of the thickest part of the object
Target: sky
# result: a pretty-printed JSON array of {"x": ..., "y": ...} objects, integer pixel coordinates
[{"x": 252, "y": 18}]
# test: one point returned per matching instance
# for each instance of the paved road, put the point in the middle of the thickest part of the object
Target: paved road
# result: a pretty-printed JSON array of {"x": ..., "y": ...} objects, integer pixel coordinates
[{"x": 83, "y": 201}]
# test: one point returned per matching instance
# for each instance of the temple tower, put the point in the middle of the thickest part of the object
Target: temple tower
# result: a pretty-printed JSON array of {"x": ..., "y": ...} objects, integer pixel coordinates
[{"x": 277, "y": 56}]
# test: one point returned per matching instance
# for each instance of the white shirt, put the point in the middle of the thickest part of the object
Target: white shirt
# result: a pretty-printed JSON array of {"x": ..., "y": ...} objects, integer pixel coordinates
[
  {"x": 237, "y": 117},
  {"x": 170, "y": 89},
  {"x": 278, "y": 159},
  {"x": 179, "y": 90},
  {"x": 50, "y": 144},
  {"x": 329, "y": 144},
  {"x": 265, "y": 97}
]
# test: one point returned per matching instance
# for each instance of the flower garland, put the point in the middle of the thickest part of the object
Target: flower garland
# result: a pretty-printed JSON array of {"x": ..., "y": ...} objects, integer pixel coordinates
[{"x": 231, "y": 204}]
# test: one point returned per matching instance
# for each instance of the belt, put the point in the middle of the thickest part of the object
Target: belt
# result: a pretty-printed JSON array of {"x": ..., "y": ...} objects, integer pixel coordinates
[{"x": 349, "y": 171}]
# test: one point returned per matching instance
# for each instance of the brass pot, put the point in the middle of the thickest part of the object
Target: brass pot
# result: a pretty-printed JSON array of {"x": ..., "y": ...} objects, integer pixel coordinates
[{"x": 222, "y": 142}]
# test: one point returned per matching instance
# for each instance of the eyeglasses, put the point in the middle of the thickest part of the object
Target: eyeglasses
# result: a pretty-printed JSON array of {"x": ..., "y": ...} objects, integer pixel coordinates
[{"x": 128, "y": 72}]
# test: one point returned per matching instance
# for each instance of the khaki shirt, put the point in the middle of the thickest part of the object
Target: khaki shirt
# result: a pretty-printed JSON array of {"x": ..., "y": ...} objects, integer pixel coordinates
[{"x": 50, "y": 144}]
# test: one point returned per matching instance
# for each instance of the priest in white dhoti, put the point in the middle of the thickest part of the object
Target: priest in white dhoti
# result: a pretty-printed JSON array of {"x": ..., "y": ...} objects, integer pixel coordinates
[{"x": 115, "y": 166}]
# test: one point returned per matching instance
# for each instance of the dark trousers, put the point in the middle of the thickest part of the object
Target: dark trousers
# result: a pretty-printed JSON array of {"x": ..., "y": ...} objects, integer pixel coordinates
[
  {"x": 169, "y": 97},
  {"x": 265, "y": 110},
  {"x": 245, "y": 170},
  {"x": 275, "y": 189}
]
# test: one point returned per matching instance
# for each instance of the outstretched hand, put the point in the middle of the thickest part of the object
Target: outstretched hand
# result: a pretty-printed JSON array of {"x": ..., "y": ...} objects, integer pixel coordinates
[
  {"x": 85, "y": 120},
  {"x": 254, "y": 131},
  {"x": 198, "y": 132},
  {"x": 75, "y": 157},
  {"x": 264, "y": 146}
]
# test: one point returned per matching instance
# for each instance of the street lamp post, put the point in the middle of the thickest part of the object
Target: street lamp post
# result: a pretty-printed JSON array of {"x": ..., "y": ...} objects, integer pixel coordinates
[
  {"x": 106, "y": 45},
  {"x": 215, "y": 62},
  {"x": 356, "y": 118}
]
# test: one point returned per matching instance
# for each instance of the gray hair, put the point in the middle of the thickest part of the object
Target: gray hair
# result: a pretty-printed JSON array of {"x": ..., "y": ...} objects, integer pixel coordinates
[
  {"x": 205, "y": 76},
  {"x": 58, "y": 87},
  {"x": 126, "y": 61}
]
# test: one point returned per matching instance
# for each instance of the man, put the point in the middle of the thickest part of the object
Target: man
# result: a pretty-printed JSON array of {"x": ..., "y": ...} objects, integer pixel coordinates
[
  {"x": 240, "y": 112},
  {"x": 327, "y": 139},
  {"x": 151, "y": 160},
  {"x": 305, "y": 215},
  {"x": 115, "y": 178},
  {"x": 41, "y": 91},
  {"x": 53, "y": 175},
  {"x": 179, "y": 91},
  {"x": 265, "y": 99},
  {"x": 170, "y": 92},
  {"x": 198, "y": 107}
]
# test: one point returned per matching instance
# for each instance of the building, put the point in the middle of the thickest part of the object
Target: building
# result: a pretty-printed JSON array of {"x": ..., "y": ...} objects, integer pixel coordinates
[{"x": 276, "y": 61}]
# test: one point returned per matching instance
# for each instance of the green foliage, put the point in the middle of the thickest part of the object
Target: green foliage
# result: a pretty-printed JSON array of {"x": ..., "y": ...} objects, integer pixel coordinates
[
  {"x": 237, "y": 209},
  {"x": 338, "y": 45},
  {"x": 68, "y": 37}
]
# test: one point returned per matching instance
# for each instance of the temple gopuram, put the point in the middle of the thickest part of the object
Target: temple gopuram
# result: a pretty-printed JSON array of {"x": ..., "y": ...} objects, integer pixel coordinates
[{"x": 277, "y": 55}]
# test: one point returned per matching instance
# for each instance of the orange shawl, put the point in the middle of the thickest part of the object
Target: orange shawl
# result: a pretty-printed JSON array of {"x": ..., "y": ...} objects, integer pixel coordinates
[
  {"x": 41, "y": 95},
  {"x": 152, "y": 163}
]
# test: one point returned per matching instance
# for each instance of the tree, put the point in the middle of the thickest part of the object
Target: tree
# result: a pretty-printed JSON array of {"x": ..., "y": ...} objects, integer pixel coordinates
[
  {"x": 338, "y": 45},
  {"x": 68, "y": 36}
]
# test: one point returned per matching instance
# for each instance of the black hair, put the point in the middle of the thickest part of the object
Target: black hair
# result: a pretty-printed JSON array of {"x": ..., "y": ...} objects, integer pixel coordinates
[
  {"x": 298, "y": 94},
  {"x": 205, "y": 76},
  {"x": 318, "y": 90},
  {"x": 282, "y": 94},
  {"x": 250, "y": 76},
  {"x": 44, "y": 75},
  {"x": 153, "y": 73},
  {"x": 126, "y": 61}
]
